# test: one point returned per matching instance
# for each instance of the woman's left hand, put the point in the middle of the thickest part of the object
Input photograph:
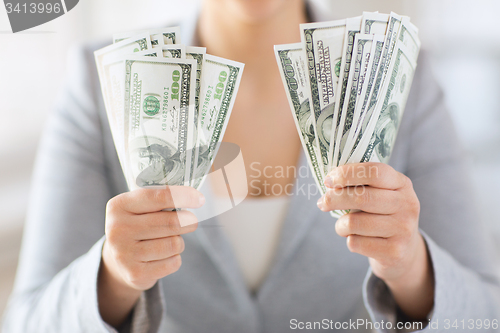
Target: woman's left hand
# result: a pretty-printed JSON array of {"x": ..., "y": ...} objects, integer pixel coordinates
[{"x": 384, "y": 228}]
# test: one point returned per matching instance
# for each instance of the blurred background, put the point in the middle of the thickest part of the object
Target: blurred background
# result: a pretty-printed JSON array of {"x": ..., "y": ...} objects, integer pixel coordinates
[{"x": 462, "y": 37}]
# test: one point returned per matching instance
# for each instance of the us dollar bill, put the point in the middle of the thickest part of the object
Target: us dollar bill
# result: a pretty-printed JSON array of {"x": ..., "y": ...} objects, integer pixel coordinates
[
  {"x": 409, "y": 37},
  {"x": 390, "y": 38},
  {"x": 374, "y": 23},
  {"x": 390, "y": 108},
  {"x": 198, "y": 54},
  {"x": 361, "y": 117},
  {"x": 176, "y": 51},
  {"x": 293, "y": 69},
  {"x": 159, "y": 37},
  {"x": 361, "y": 58},
  {"x": 157, "y": 53},
  {"x": 158, "y": 113},
  {"x": 323, "y": 44},
  {"x": 353, "y": 26},
  {"x": 110, "y": 70},
  {"x": 221, "y": 80}
]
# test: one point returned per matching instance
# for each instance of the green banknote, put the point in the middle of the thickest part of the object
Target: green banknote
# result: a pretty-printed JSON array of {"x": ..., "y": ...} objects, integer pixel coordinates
[
  {"x": 353, "y": 26},
  {"x": 159, "y": 37},
  {"x": 198, "y": 54},
  {"x": 323, "y": 44},
  {"x": 175, "y": 51},
  {"x": 109, "y": 62},
  {"x": 293, "y": 69},
  {"x": 158, "y": 118},
  {"x": 390, "y": 108},
  {"x": 359, "y": 63},
  {"x": 220, "y": 82},
  {"x": 368, "y": 78}
]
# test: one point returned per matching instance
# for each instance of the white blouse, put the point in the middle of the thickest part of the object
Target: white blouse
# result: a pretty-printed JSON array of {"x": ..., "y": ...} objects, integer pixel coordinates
[{"x": 253, "y": 228}]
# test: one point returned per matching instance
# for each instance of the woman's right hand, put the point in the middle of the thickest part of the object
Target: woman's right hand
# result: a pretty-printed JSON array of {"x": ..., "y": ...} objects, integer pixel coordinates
[{"x": 143, "y": 244}]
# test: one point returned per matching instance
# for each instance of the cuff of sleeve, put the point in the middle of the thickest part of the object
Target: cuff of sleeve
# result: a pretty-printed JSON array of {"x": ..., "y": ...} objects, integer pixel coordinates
[
  {"x": 86, "y": 293},
  {"x": 147, "y": 313},
  {"x": 456, "y": 288},
  {"x": 379, "y": 301}
]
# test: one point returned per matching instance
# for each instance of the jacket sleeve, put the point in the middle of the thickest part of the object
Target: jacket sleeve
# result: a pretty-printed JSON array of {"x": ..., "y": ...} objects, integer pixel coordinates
[
  {"x": 56, "y": 283},
  {"x": 462, "y": 252}
]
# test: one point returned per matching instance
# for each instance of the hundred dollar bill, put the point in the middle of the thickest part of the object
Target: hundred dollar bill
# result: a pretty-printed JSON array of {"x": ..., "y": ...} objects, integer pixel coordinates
[
  {"x": 389, "y": 110},
  {"x": 157, "y": 53},
  {"x": 360, "y": 60},
  {"x": 221, "y": 80},
  {"x": 293, "y": 69},
  {"x": 390, "y": 39},
  {"x": 323, "y": 44},
  {"x": 110, "y": 74},
  {"x": 198, "y": 54},
  {"x": 374, "y": 23},
  {"x": 409, "y": 38},
  {"x": 162, "y": 36},
  {"x": 158, "y": 111},
  {"x": 370, "y": 71},
  {"x": 393, "y": 28},
  {"x": 352, "y": 28},
  {"x": 176, "y": 51}
]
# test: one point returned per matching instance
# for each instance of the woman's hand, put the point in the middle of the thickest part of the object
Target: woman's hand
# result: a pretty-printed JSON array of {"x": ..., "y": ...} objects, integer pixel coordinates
[
  {"x": 384, "y": 228},
  {"x": 143, "y": 244}
]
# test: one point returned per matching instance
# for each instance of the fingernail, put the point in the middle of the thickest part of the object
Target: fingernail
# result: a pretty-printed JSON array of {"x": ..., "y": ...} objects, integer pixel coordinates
[
  {"x": 202, "y": 199},
  {"x": 329, "y": 182},
  {"x": 320, "y": 203}
]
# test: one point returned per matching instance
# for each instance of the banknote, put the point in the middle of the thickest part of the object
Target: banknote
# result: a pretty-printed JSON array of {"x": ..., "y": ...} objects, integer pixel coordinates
[
  {"x": 409, "y": 37},
  {"x": 362, "y": 104},
  {"x": 374, "y": 23},
  {"x": 353, "y": 26},
  {"x": 221, "y": 80},
  {"x": 293, "y": 69},
  {"x": 360, "y": 60},
  {"x": 392, "y": 31},
  {"x": 177, "y": 51},
  {"x": 157, "y": 53},
  {"x": 110, "y": 71},
  {"x": 323, "y": 45},
  {"x": 359, "y": 124},
  {"x": 198, "y": 54},
  {"x": 162, "y": 36},
  {"x": 390, "y": 108},
  {"x": 158, "y": 117}
]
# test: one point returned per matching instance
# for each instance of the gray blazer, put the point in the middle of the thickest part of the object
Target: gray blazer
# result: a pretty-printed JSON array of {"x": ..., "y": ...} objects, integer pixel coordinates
[{"x": 314, "y": 277}]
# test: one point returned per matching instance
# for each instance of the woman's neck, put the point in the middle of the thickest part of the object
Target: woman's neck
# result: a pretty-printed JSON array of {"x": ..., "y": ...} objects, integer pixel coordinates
[{"x": 231, "y": 31}]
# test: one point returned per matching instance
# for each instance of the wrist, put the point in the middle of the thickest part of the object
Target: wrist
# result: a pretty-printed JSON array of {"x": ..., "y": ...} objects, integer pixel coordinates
[
  {"x": 116, "y": 298},
  {"x": 413, "y": 290}
]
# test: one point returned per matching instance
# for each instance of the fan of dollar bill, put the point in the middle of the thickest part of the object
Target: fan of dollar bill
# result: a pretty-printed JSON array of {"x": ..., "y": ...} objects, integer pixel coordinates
[
  {"x": 168, "y": 105},
  {"x": 347, "y": 83}
]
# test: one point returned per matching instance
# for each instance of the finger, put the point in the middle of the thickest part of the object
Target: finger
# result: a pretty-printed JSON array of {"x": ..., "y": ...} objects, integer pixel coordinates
[
  {"x": 147, "y": 273},
  {"x": 159, "y": 249},
  {"x": 163, "y": 224},
  {"x": 365, "y": 224},
  {"x": 371, "y": 247},
  {"x": 149, "y": 200},
  {"x": 161, "y": 268},
  {"x": 378, "y": 175},
  {"x": 365, "y": 198},
  {"x": 387, "y": 251}
]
